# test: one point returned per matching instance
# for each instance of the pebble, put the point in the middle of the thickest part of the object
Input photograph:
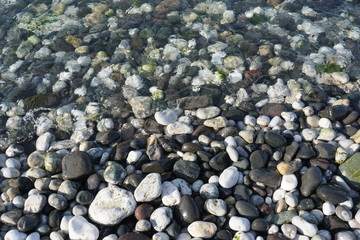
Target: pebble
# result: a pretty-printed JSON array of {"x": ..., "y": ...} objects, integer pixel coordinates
[
  {"x": 331, "y": 193},
  {"x": 233, "y": 154},
  {"x": 149, "y": 188},
  {"x": 143, "y": 211},
  {"x": 304, "y": 227},
  {"x": 34, "y": 203},
  {"x": 310, "y": 180},
  {"x": 111, "y": 205},
  {"x": 345, "y": 235},
  {"x": 275, "y": 140},
  {"x": 28, "y": 222},
  {"x": 239, "y": 224},
  {"x": 216, "y": 123},
  {"x": 187, "y": 170},
  {"x": 325, "y": 123},
  {"x": 43, "y": 142},
  {"x": 170, "y": 195},
  {"x": 57, "y": 201},
  {"x": 266, "y": 176},
  {"x": 350, "y": 169},
  {"x": 209, "y": 191},
  {"x": 202, "y": 229},
  {"x": 10, "y": 172},
  {"x": 309, "y": 134},
  {"x": 178, "y": 128},
  {"x": 114, "y": 173},
  {"x": 327, "y": 134},
  {"x": 246, "y": 209},
  {"x": 263, "y": 120},
  {"x": 142, "y": 226},
  {"x": 216, "y": 207},
  {"x": 247, "y": 135},
  {"x": 208, "y": 112},
  {"x": 15, "y": 234},
  {"x": 161, "y": 218},
  {"x": 80, "y": 228},
  {"x": 160, "y": 236},
  {"x": 229, "y": 177},
  {"x": 289, "y": 182},
  {"x": 328, "y": 208},
  {"x": 166, "y": 117},
  {"x": 188, "y": 210},
  {"x": 344, "y": 213},
  {"x": 289, "y": 230},
  {"x": 76, "y": 165}
]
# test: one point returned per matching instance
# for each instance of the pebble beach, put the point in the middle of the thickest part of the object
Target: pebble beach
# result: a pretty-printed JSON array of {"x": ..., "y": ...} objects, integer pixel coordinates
[{"x": 180, "y": 120}]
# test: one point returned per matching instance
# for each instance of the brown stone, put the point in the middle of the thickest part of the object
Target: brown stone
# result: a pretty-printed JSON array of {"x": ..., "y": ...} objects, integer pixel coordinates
[
  {"x": 143, "y": 211},
  {"x": 273, "y": 109}
]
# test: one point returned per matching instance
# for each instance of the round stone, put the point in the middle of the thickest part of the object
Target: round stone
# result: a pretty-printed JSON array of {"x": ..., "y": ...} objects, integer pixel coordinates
[
  {"x": 111, "y": 205},
  {"x": 187, "y": 170},
  {"x": 209, "y": 191},
  {"x": 133, "y": 236},
  {"x": 142, "y": 226},
  {"x": 52, "y": 162},
  {"x": 34, "y": 203},
  {"x": 289, "y": 230},
  {"x": 343, "y": 213},
  {"x": 208, "y": 112},
  {"x": 304, "y": 227},
  {"x": 275, "y": 140},
  {"x": 84, "y": 197},
  {"x": 289, "y": 182},
  {"x": 259, "y": 224},
  {"x": 202, "y": 229},
  {"x": 76, "y": 165},
  {"x": 28, "y": 222},
  {"x": 170, "y": 195},
  {"x": 114, "y": 173},
  {"x": 80, "y": 228},
  {"x": 310, "y": 180},
  {"x": 161, "y": 218},
  {"x": 328, "y": 208},
  {"x": 187, "y": 211},
  {"x": 239, "y": 224},
  {"x": 166, "y": 117},
  {"x": 258, "y": 159},
  {"x": 246, "y": 209},
  {"x": 216, "y": 207},
  {"x": 149, "y": 188},
  {"x": 57, "y": 201},
  {"x": 229, "y": 177},
  {"x": 143, "y": 211}
]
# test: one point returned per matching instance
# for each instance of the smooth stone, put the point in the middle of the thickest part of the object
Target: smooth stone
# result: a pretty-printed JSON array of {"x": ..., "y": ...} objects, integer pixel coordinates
[
  {"x": 193, "y": 102},
  {"x": 220, "y": 161},
  {"x": 283, "y": 217},
  {"x": 107, "y": 137},
  {"x": 11, "y": 217},
  {"x": 306, "y": 204},
  {"x": 260, "y": 224},
  {"x": 202, "y": 229},
  {"x": 111, "y": 205},
  {"x": 326, "y": 150},
  {"x": 52, "y": 162},
  {"x": 345, "y": 235},
  {"x": 15, "y": 234},
  {"x": 334, "y": 113},
  {"x": 57, "y": 201},
  {"x": 289, "y": 231},
  {"x": 43, "y": 141},
  {"x": 327, "y": 134},
  {"x": 142, "y": 225},
  {"x": 310, "y": 180},
  {"x": 304, "y": 227},
  {"x": 240, "y": 224},
  {"x": 161, "y": 218},
  {"x": 246, "y": 209},
  {"x": 229, "y": 177},
  {"x": 141, "y": 106},
  {"x": 258, "y": 159},
  {"x": 170, "y": 195},
  {"x": 350, "y": 170},
  {"x": 190, "y": 147},
  {"x": 149, "y": 188},
  {"x": 287, "y": 168},
  {"x": 306, "y": 151},
  {"x": 10, "y": 172},
  {"x": 114, "y": 173},
  {"x": 331, "y": 193},
  {"x": 247, "y": 135},
  {"x": 216, "y": 207},
  {"x": 121, "y": 151},
  {"x": 80, "y": 228},
  {"x": 290, "y": 151},
  {"x": 28, "y": 222},
  {"x": 328, "y": 208},
  {"x": 68, "y": 188},
  {"x": 289, "y": 182},
  {"x": 272, "y": 109},
  {"x": 178, "y": 128},
  {"x": 34, "y": 203},
  {"x": 242, "y": 192},
  {"x": 143, "y": 211},
  {"x": 174, "y": 229},
  {"x": 344, "y": 213},
  {"x": 209, "y": 190},
  {"x": 166, "y": 117},
  {"x": 233, "y": 154},
  {"x": 36, "y": 159},
  {"x": 187, "y": 211},
  {"x": 187, "y": 170},
  {"x": 352, "y": 117},
  {"x": 216, "y": 123},
  {"x": 266, "y": 176},
  {"x": 275, "y": 140},
  {"x": 133, "y": 236},
  {"x": 208, "y": 112},
  {"x": 84, "y": 197},
  {"x": 334, "y": 224},
  {"x": 76, "y": 165}
]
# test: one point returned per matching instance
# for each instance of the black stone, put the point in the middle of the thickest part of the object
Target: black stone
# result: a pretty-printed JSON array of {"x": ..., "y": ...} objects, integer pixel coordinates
[
  {"x": 335, "y": 224},
  {"x": 122, "y": 150},
  {"x": 267, "y": 176},
  {"x": 84, "y": 197},
  {"x": 310, "y": 180},
  {"x": 193, "y": 102},
  {"x": 246, "y": 209},
  {"x": 275, "y": 140},
  {"x": 55, "y": 217},
  {"x": 326, "y": 150},
  {"x": 242, "y": 192},
  {"x": 174, "y": 229},
  {"x": 187, "y": 212},
  {"x": 331, "y": 193},
  {"x": 107, "y": 137},
  {"x": 306, "y": 151},
  {"x": 334, "y": 113},
  {"x": 220, "y": 161},
  {"x": 306, "y": 204},
  {"x": 290, "y": 151},
  {"x": 133, "y": 236},
  {"x": 258, "y": 159},
  {"x": 260, "y": 224},
  {"x": 28, "y": 222},
  {"x": 224, "y": 235},
  {"x": 234, "y": 114},
  {"x": 76, "y": 165},
  {"x": 187, "y": 170}
]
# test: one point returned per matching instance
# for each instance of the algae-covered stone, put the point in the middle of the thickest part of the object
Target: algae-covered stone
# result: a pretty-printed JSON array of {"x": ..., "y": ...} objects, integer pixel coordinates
[
  {"x": 41, "y": 100},
  {"x": 52, "y": 162},
  {"x": 350, "y": 170}
]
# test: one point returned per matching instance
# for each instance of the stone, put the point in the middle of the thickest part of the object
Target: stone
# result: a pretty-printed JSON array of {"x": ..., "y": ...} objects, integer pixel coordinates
[
  {"x": 350, "y": 170},
  {"x": 143, "y": 211},
  {"x": 229, "y": 177},
  {"x": 289, "y": 182},
  {"x": 76, "y": 165},
  {"x": 259, "y": 224},
  {"x": 80, "y": 228},
  {"x": 193, "y": 102},
  {"x": 177, "y": 128},
  {"x": 216, "y": 123},
  {"x": 187, "y": 170},
  {"x": 216, "y": 207},
  {"x": 142, "y": 225},
  {"x": 202, "y": 229},
  {"x": 246, "y": 209},
  {"x": 306, "y": 151},
  {"x": 240, "y": 224},
  {"x": 133, "y": 236},
  {"x": 327, "y": 134},
  {"x": 272, "y": 109},
  {"x": 114, "y": 173},
  {"x": 331, "y": 193},
  {"x": 208, "y": 112},
  {"x": 170, "y": 195},
  {"x": 15, "y": 234},
  {"x": 258, "y": 159},
  {"x": 111, "y": 205},
  {"x": 28, "y": 222},
  {"x": 34, "y": 203},
  {"x": 310, "y": 180},
  {"x": 247, "y": 135},
  {"x": 304, "y": 227},
  {"x": 232, "y": 153},
  {"x": 161, "y": 218},
  {"x": 57, "y": 201},
  {"x": 326, "y": 150},
  {"x": 275, "y": 140},
  {"x": 187, "y": 211},
  {"x": 52, "y": 162},
  {"x": 334, "y": 113},
  {"x": 209, "y": 190},
  {"x": 328, "y": 208},
  {"x": 141, "y": 106},
  {"x": 43, "y": 142},
  {"x": 267, "y": 176},
  {"x": 149, "y": 188},
  {"x": 220, "y": 161},
  {"x": 11, "y": 217},
  {"x": 166, "y": 117},
  {"x": 289, "y": 231},
  {"x": 283, "y": 217},
  {"x": 287, "y": 168},
  {"x": 344, "y": 213},
  {"x": 107, "y": 137}
]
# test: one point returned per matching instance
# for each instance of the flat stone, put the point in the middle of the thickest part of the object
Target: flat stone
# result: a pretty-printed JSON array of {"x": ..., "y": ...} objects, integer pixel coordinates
[
  {"x": 331, "y": 193},
  {"x": 258, "y": 159},
  {"x": 111, "y": 205},
  {"x": 34, "y": 203},
  {"x": 216, "y": 207},
  {"x": 326, "y": 150},
  {"x": 260, "y": 224},
  {"x": 133, "y": 236},
  {"x": 240, "y": 224},
  {"x": 202, "y": 229},
  {"x": 310, "y": 180},
  {"x": 275, "y": 140},
  {"x": 80, "y": 228},
  {"x": 266, "y": 176},
  {"x": 334, "y": 113},
  {"x": 170, "y": 195},
  {"x": 193, "y": 102},
  {"x": 107, "y": 137},
  {"x": 216, "y": 123},
  {"x": 143, "y": 211},
  {"x": 273, "y": 109},
  {"x": 149, "y": 188},
  {"x": 208, "y": 112},
  {"x": 187, "y": 170},
  {"x": 166, "y": 117},
  {"x": 76, "y": 165},
  {"x": 306, "y": 151},
  {"x": 289, "y": 182},
  {"x": 177, "y": 128},
  {"x": 283, "y": 217},
  {"x": 220, "y": 161},
  {"x": 350, "y": 170},
  {"x": 246, "y": 209}
]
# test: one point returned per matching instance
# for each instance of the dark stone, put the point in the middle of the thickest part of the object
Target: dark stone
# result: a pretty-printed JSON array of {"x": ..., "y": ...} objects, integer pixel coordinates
[
  {"x": 193, "y": 102},
  {"x": 174, "y": 229},
  {"x": 242, "y": 192},
  {"x": 334, "y": 113},
  {"x": 24, "y": 184},
  {"x": 133, "y": 236},
  {"x": 321, "y": 163},
  {"x": 153, "y": 166},
  {"x": 138, "y": 144},
  {"x": 220, "y": 161},
  {"x": 259, "y": 224},
  {"x": 275, "y": 237},
  {"x": 273, "y": 109},
  {"x": 283, "y": 217},
  {"x": 187, "y": 170},
  {"x": 202, "y": 130},
  {"x": 326, "y": 150},
  {"x": 246, "y": 209},
  {"x": 168, "y": 144},
  {"x": 107, "y": 137},
  {"x": 152, "y": 126},
  {"x": 11, "y": 217},
  {"x": 227, "y": 131},
  {"x": 267, "y": 176},
  {"x": 187, "y": 212},
  {"x": 335, "y": 224},
  {"x": 55, "y": 217},
  {"x": 234, "y": 114},
  {"x": 224, "y": 235},
  {"x": 28, "y": 222},
  {"x": 331, "y": 193},
  {"x": 306, "y": 151},
  {"x": 290, "y": 151},
  {"x": 76, "y": 165},
  {"x": 275, "y": 140},
  {"x": 133, "y": 179},
  {"x": 154, "y": 151},
  {"x": 352, "y": 117},
  {"x": 306, "y": 204},
  {"x": 84, "y": 197},
  {"x": 258, "y": 159},
  {"x": 122, "y": 150},
  {"x": 143, "y": 211},
  {"x": 190, "y": 147},
  {"x": 310, "y": 180}
]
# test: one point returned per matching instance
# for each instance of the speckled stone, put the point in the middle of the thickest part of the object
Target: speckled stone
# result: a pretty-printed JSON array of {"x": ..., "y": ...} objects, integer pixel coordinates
[{"x": 76, "y": 165}]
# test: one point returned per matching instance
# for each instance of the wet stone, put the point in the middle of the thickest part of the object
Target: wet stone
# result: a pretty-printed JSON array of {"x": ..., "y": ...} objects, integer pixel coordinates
[
  {"x": 143, "y": 211},
  {"x": 220, "y": 161},
  {"x": 187, "y": 211},
  {"x": 331, "y": 193},
  {"x": 190, "y": 147},
  {"x": 246, "y": 209},
  {"x": 259, "y": 224},
  {"x": 28, "y": 222},
  {"x": 310, "y": 180},
  {"x": 275, "y": 140},
  {"x": 76, "y": 165},
  {"x": 84, "y": 197},
  {"x": 306, "y": 151},
  {"x": 187, "y": 170},
  {"x": 326, "y": 150},
  {"x": 258, "y": 159},
  {"x": 267, "y": 176}
]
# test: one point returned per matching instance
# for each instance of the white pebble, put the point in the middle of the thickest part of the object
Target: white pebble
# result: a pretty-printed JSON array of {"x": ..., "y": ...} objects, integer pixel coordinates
[
  {"x": 133, "y": 156},
  {"x": 170, "y": 195},
  {"x": 273, "y": 229},
  {"x": 345, "y": 235},
  {"x": 298, "y": 105},
  {"x": 160, "y": 236},
  {"x": 309, "y": 134},
  {"x": 325, "y": 123},
  {"x": 13, "y": 163},
  {"x": 229, "y": 177},
  {"x": 233, "y": 154},
  {"x": 289, "y": 230},
  {"x": 289, "y": 182},
  {"x": 328, "y": 208},
  {"x": 250, "y": 120},
  {"x": 239, "y": 224},
  {"x": 80, "y": 228},
  {"x": 308, "y": 111},
  {"x": 278, "y": 194},
  {"x": 275, "y": 121},
  {"x": 263, "y": 120},
  {"x": 304, "y": 227},
  {"x": 160, "y": 218},
  {"x": 289, "y": 116},
  {"x": 10, "y": 172},
  {"x": 15, "y": 234},
  {"x": 291, "y": 199},
  {"x": 43, "y": 141}
]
